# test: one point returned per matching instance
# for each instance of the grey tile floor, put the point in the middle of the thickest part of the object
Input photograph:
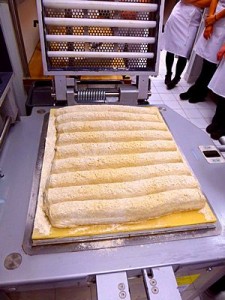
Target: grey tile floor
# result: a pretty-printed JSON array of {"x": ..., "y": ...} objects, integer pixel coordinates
[{"x": 199, "y": 114}]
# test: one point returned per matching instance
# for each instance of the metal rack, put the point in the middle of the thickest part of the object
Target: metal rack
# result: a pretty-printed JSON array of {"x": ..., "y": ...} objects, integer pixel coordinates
[{"x": 100, "y": 38}]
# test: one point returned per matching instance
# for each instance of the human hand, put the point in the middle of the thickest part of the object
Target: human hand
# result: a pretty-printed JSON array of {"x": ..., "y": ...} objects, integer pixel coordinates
[
  {"x": 221, "y": 53},
  {"x": 208, "y": 32},
  {"x": 210, "y": 20}
]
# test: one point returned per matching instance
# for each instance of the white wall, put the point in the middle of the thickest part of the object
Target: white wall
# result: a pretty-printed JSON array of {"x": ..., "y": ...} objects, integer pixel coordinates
[{"x": 27, "y": 13}]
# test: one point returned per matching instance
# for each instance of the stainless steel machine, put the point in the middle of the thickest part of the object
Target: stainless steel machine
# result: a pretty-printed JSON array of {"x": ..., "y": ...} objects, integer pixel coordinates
[
  {"x": 195, "y": 258},
  {"x": 98, "y": 38},
  {"x": 106, "y": 38},
  {"x": 8, "y": 107}
]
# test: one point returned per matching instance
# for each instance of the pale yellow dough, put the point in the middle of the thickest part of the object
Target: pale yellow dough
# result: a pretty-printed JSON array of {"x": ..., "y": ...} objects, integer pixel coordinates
[
  {"x": 124, "y": 209},
  {"x": 112, "y": 164}
]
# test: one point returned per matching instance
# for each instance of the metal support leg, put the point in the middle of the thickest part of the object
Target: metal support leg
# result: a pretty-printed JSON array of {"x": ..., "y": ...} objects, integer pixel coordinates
[
  {"x": 128, "y": 95},
  {"x": 60, "y": 88},
  {"x": 113, "y": 286},
  {"x": 70, "y": 96},
  {"x": 143, "y": 87},
  {"x": 161, "y": 284}
]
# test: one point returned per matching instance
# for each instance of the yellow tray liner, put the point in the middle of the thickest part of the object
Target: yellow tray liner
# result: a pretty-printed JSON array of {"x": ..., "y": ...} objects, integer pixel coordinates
[{"x": 181, "y": 219}]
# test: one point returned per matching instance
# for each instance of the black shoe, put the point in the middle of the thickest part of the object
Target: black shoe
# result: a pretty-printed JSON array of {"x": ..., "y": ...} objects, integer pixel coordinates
[
  {"x": 216, "y": 135},
  {"x": 196, "y": 99},
  {"x": 173, "y": 83},
  {"x": 187, "y": 95},
  {"x": 212, "y": 127},
  {"x": 168, "y": 78}
]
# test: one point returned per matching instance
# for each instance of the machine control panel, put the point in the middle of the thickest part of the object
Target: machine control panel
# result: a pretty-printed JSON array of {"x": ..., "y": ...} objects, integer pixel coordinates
[{"x": 212, "y": 154}]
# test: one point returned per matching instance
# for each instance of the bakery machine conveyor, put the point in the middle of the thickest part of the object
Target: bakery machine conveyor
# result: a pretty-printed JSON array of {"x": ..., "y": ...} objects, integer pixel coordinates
[
  {"x": 194, "y": 258},
  {"x": 100, "y": 51}
]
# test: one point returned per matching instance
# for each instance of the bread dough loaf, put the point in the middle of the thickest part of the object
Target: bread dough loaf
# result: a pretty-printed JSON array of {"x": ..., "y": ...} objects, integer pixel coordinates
[
  {"x": 112, "y": 136},
  {"x": 73, "y": 178},
  {"x": 117, "y": 190},
  {"x": 113, "y": 164},
  {"x": 110, "y": 148},
  {"x": 103, "y": 125},
  {"x": 69, "y": 214},
  {"x": 110, "y": 115}
]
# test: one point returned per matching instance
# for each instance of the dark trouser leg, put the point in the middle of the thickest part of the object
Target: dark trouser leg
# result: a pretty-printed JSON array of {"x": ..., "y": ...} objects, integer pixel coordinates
[
  {"x": 219, "y": 116},
  {"x": 217, "y": 127},
  {"x": 181, "y": 64},
  {"x": 169, "y": 65},
  {"x": 199, "y": 89},
  {"x": 207, "y": 72},
  {"x": 169, "y": 62}
]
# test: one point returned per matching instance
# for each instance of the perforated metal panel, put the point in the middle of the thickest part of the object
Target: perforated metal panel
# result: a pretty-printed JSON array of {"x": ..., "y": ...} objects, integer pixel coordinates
[{"x": 116, "y": 36}]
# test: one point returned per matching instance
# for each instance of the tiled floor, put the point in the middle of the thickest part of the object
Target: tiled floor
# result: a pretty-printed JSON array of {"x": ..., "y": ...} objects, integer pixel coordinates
[{"x": 199, "y": 114}]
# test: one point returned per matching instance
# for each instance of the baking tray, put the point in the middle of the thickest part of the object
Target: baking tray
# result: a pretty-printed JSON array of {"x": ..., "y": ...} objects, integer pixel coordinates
[{"x": 98, "y": 241}]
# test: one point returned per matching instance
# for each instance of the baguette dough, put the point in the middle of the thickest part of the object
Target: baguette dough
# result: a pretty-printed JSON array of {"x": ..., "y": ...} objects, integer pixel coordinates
[
  {"x": 115, "y": 175},
  {"x": 125, "y": 209},
  {"x": 112, "y": 136},
  {"x": 107, "y": 108},
  {"x": 109, "y": 125},
  {"x": 90, "y": 149},
  {"x": 114, "y": 161},
  {"x": 112, "y": 164},
  {"x": 115, "y": 116},
  {"x": 118, "y": 190}
]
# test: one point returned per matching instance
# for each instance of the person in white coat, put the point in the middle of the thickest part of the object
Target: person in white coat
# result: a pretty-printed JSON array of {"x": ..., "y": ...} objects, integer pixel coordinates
[
  {"x": 217, "y": 84},
  {"x": 179, "y": 35},
  {"x": 207, "y": 47}
]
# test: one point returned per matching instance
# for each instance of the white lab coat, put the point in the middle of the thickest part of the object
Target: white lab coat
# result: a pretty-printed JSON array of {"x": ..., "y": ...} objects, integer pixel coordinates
[
  {"x": 217, "y": 83},
  {"x": 181, "y": 29},
  {"x": 208, "y": 49}
]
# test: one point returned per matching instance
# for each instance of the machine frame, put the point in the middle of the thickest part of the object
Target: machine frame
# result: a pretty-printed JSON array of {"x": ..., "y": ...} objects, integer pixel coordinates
[{"x": 203, "y": 257}]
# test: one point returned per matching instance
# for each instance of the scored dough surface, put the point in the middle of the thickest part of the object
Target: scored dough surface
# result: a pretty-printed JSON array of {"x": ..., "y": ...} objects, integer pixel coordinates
[{"x": 112, "y": 164}]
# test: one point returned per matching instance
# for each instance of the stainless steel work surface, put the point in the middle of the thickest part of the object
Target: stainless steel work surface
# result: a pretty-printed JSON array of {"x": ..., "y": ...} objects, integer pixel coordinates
[{"x": 17, "y": 163}]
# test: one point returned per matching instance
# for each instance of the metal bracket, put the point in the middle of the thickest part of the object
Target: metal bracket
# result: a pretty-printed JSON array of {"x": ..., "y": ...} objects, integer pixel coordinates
[
  {"x": 160, "y": 284},
  {"x": 128, "y": 95},
  {"x": 60, "y": 87},
  {"x": 70, "y": 96},
  {"x": 143, "y": 86},
  {"x": 113, "y": 286},
  {"x": 64, "y": 89}
]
